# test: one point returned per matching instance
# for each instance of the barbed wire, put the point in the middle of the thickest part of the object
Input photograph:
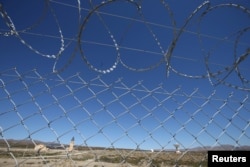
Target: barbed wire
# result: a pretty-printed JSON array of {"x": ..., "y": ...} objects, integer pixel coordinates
[
  {"x": 199, "y": 14},
  {"x": 237, "y": 59},
  {"x": 10, "y": 24}
]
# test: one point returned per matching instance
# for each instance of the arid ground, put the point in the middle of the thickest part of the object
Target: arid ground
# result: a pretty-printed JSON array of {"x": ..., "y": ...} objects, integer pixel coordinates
[{"x": 22, "y": 157}]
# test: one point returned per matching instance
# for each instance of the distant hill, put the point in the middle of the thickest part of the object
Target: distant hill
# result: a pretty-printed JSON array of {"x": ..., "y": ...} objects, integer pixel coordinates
[
  {"x": 221, "y": 147},
  {"x": 53, "y": 145},
  {"x": 28, "y": 143}
]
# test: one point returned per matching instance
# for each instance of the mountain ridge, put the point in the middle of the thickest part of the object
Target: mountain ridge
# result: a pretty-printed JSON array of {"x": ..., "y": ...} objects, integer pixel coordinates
[{"x": 30, "y": 143}]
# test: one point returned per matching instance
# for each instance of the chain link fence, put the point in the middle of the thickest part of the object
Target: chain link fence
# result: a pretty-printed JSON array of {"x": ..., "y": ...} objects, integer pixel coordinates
[
  {"x": 78, "y": 122},
  {"x": 62, "y": 118}
]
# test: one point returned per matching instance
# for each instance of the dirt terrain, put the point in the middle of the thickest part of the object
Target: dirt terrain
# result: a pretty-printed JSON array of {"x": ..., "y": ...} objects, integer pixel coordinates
[{"x": 23, "y": 157}]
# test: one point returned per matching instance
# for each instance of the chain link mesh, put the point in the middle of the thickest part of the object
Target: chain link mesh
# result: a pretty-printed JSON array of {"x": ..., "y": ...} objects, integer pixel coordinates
[
  {"x": 65, "y": 119},
  {"x": 114, "y": 123}
]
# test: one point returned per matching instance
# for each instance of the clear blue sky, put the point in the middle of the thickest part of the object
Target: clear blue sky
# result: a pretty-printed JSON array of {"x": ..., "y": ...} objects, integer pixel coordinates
[{"x": 141, "y": 36}]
